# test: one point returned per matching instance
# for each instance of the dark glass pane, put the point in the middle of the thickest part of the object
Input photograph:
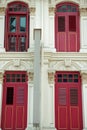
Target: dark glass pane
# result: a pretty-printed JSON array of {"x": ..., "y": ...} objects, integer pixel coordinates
[
  {"x": 76, "y": 76},
  {"x": 22, "y": 43},
  {"x": 75, "y": 80},
  {"x": 74, "y": 9},
  {"x": 17, "y": 8},
  {"x": 8, "y": 78},
  {"x": 64, "y": 80},
  {"x": 71, "y": 8},
  {"x": 22, "y": 24},
  {"x": 74, "y": 96},
  {"x": 9, "y": 96},
  {"x": 13, "y": 77},
  {"x": 70, "y": 80},
  {"x": 67, "y": 8},
  {"x": 62, "y": 8},
  {"x": 61, "y": 24},
  {"x": 70, "y": 76},
  {"x": 64, "y": 75},
  {"x": 12, "y": 24},
  {"x": 18, "y": 78},
  {"x": 12, "y": 43},
  {"x": 23, "y": 77},
  {"x": 59, "y": 80},
  {"x": 72, "y": 23},
  {"x": 10, "y": 9},
  {"x": 59, "y": 75}
]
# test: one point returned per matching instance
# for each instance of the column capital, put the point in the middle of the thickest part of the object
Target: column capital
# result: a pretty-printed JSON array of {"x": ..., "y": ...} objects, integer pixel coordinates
[
  {"x": 84, "y": 76},
  {"x": 30, "y": 76},
  {"x": 1, "y": 76},
  {"x": 83, "y": 11},
  {"x": 51, "y": 74}
]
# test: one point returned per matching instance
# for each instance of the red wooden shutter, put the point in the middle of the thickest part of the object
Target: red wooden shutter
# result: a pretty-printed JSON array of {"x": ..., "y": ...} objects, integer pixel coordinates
[
  {"x": 72, "y": 33},
  {"x": 62, "y": 108},
  {"x": 20, "y": 111},
  {"x": 74, "y": 109},
  {"x": 61, "y": 33}
]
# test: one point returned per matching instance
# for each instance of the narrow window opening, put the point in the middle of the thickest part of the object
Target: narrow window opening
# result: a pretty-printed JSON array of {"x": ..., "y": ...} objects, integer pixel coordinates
[{"x": 9, "y": 97}]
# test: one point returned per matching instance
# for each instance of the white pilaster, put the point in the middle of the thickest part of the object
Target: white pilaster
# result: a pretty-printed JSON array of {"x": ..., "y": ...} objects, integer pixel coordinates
[
  {"x": 84, "y": 99},
  {"x": 30, "y": 102},
  {"x": 83, "y": 32},
  {"x": 51, "y": 98},
  {"x": 32, "y": 21},
  {"x": 47, "y": 101},
  {"x": 38, "y": 15},
  {"x": 51, "y": 34},
  {"x": 2, "y": 28},
  {"x": 45, "y": 23}
]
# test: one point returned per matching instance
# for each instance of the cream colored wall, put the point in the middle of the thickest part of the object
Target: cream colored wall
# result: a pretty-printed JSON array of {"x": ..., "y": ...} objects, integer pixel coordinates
[{"x": 42, "y": 14}]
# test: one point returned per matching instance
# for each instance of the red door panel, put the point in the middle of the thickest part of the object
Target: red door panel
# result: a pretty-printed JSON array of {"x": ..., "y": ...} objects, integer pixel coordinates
[
  {"x": 62, "y": 118},
  {"x": 14, "y": 107},
  {"x": 68, "y": 108},
  {"x": 19, "y": 117},
  {"x": 72, "y": 40},
  {"x": 8, "y": 117},
  {"x": 74, "y": 118},
  {"x": 61, "y": 38}
]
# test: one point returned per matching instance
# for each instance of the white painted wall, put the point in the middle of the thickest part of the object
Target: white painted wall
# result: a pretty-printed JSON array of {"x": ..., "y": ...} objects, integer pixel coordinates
[
  {"x": 83, "y": 34},
  {"x": 84, "y": 105}
]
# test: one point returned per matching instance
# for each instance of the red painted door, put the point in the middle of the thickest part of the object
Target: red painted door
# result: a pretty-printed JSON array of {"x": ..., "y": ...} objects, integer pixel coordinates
[
  {"x": 14, "y": 108},
  {"x": 68, "y": 103},
  {"x": 67, "y": 28}
]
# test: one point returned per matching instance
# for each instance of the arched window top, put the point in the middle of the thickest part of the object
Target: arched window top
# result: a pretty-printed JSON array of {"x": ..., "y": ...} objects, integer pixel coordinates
[
  {"x": 67, "y": 7},
  {"x": 17, "y": 7}
]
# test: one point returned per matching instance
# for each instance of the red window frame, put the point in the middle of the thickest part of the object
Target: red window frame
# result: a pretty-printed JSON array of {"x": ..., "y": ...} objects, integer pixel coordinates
[
  {"x": 14, "y": 105},
  {"x": 65, "y": 39},
  {"x": 22, "y": 38},
  {"x": 68, "y": 98}
]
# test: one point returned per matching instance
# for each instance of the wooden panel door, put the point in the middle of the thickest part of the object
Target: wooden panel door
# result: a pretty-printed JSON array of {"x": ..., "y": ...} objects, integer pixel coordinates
[
  {"x": 14, "y": 107},
  {"x": 68, "y": 103},
  {"x": 73, "y": 32},
  {"x": 61, "y": 33}
]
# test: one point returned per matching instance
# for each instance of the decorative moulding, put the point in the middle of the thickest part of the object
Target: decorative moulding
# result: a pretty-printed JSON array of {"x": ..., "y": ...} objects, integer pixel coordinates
[
  {"x": 83, "y": 11},
  {"x": 2, "y": 10},
  {"x": 32, "y": 10},
  {"x": 51, "y": 74},
  {"x": 51, "y": 10}
]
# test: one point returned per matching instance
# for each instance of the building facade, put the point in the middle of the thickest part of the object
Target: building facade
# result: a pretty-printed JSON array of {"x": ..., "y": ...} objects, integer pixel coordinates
[{"x": 43, "y": 65}]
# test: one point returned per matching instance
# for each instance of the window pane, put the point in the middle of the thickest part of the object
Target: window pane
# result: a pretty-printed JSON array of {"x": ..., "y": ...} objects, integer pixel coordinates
[
  {"x": 72, "y": 23},
  {"x": 12, "y": 43},
  {"x": 23, "y": 77},
  {"x": 22, "y": 43},
  {"x": 67, "y": 8},
  {"x": 61, "y": 24},
  {"x": 12, "y": 24},
  {"x": 8, "y": 78},
  {"x": 17, "y": 8},
  {"x": 22, "y": 24},
  {"x": 9, "y": 96}
]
